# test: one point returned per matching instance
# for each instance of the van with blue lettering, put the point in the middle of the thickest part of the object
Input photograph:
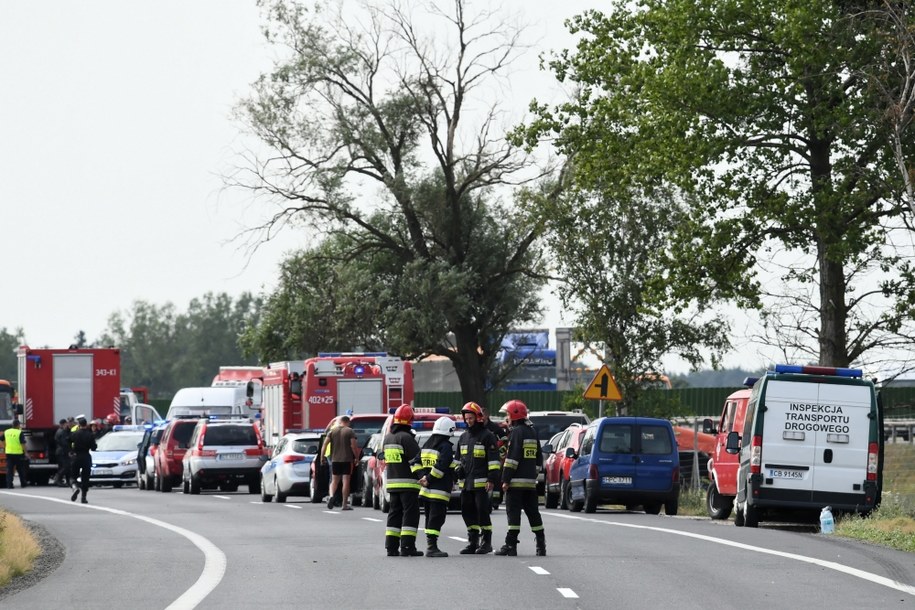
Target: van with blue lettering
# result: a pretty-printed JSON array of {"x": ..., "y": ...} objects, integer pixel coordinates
[
  {"x": 633, "y": 461},
  {"x": 812, "y": 437}
]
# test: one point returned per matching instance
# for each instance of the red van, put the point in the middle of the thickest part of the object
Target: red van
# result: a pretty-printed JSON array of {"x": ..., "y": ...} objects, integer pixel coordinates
[{"x": 722, "y": 466}]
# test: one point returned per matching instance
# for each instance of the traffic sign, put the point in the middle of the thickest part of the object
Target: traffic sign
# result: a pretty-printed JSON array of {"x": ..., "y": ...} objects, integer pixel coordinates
[{"x": 603, "y": 386}]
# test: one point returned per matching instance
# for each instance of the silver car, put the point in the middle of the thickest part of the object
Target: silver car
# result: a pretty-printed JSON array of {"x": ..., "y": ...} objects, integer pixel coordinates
[
  {"x": 114, "y": 462},
  {"x": 288, "y": 472},
  {"x": 224, "y": 453}
]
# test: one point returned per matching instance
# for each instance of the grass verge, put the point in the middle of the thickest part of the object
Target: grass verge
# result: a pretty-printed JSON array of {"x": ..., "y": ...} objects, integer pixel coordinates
[
  {"x": 891, "y": 525},
  {"x": 18, "y": 548}
]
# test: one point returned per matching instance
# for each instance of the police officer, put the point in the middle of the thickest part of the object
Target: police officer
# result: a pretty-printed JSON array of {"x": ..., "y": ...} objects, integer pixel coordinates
[
  {"x": 400, "y": 451},
  {"x": 62, "y": 450},
  {"x": 82, "y": 442},
  {"x": 519, "y": 479},
  {"x": 437, "y": 479},
  {"x": 479, "y": 469},
  {"x": 15, "y": 454}
]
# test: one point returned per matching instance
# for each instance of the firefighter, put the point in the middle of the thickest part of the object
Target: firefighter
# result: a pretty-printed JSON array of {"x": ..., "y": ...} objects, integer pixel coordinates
[
  {"x": 437, "y": 479},
  {"x": 479, "y": 469},
  {"x": 400, "y": 449},
  {"x": 82, "y": 442},
  {"x": 519, "y": 479}
]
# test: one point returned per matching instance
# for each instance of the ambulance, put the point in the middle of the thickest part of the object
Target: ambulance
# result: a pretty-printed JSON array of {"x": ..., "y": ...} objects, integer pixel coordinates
[{"x": 812, "y": 437}]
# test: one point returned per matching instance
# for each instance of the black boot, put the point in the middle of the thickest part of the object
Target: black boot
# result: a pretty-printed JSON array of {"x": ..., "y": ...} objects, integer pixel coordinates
[
  {"x": 541, "y": 543},
  {"x": 74, "y": 494},
  {"x": 473, "y": 538},
  {"x": 432, "y": 549},
  {"x": 408, "y": 547},
  {"x": 392, "y": 544},
  {"x": 84, "y": 500},
  {"x": 510, "y": 547},
  {"x": 486, "y": 545}
]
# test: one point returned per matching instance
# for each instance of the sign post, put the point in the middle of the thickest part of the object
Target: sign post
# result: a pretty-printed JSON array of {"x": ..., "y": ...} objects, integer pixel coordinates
[{"x": 602, "y": 387}]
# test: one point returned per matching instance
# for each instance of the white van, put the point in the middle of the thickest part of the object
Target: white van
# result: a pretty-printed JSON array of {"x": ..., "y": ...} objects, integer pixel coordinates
[
  {"x": 226, "y": 400},
  {"x": 812, "y": 438}
]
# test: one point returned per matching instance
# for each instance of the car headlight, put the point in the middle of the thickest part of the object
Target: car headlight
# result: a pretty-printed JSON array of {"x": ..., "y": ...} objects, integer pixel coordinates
[{"x": 129, "y": 462}]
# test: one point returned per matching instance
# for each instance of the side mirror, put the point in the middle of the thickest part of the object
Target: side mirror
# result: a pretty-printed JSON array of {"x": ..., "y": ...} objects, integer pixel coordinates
[
  {"x": 18, "y": 409},
  {"x": 548, "y": 448},
  {"x": 708, "y": 427},
  {"x": 368, "y": 452},
  {"x": 570, "y": 453},
  {"x": 733, "y": 443}
]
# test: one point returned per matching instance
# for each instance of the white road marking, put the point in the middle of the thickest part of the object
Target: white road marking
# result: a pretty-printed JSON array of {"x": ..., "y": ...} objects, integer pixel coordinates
[
  {"x": 459, "y": 539},
  {"x": 330, "y": 512},
  {"x": 257, "y": 503},
  {"x": 830, "y": 565},
  {"x": 568, "y": 593},
  {"x": 223, "y": 497},
  {"x": 293, "y": 506},
  {"x": 214, "y": 567},
  {"x": 372, "y": 519},
  {"x": 538, "y": 570}
]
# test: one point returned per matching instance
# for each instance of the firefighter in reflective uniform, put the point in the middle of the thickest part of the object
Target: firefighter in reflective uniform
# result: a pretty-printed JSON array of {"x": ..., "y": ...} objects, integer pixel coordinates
[
  {"x": 479, "y": 469},
  {"x": 519, "y": 479},
  {"x": 400, "y": 449},
  {"x": 437, "y": 479}
]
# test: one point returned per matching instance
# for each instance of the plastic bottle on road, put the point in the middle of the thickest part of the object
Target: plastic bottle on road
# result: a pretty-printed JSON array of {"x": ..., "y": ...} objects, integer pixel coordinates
[{"x": 827, "y": 523}]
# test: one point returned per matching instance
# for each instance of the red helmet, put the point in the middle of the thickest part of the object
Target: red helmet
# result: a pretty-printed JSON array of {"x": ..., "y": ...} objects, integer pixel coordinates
[
  {"x": 515, "y": 409},
  {"x": 472, "y": 407},
  {"x": 113, "y": 419},
  {"x": 403, "y": 415}
]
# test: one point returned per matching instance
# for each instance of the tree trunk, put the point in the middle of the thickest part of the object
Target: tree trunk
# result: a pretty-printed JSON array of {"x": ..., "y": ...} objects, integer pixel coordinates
[
  {"x": 833, "y": 311},
  {"x": 468, "y": 365}
]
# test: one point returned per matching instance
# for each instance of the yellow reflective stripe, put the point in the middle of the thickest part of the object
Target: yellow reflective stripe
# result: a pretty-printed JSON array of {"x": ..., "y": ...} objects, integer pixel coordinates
[{"x": 434, "y": 494}]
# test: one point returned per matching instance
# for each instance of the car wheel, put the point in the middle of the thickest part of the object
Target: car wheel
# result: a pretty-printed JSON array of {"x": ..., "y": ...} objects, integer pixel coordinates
[
  {"x": 280, "y": 496},
  {"x": 195, "y": 485},
  {"x": 653, "y": 508},
  {"x": 564, "y": 492},
  {"x": 265, "y": 497},
  {"x": 552, "y": 499},
  {"x": 718, "y": 506},
  {"x": 672, "y": 506},
  {"x": 751, "y": 516},
  {"x": 157, "y": 483},
  {"x": 575, "y": 506},
  {"x": 313, "y": 493}
]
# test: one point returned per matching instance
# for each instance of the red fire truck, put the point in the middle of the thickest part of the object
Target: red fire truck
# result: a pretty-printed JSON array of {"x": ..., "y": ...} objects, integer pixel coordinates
[
  {"x": 55, "y": 384},
  {"x": 332, "y": 384}
]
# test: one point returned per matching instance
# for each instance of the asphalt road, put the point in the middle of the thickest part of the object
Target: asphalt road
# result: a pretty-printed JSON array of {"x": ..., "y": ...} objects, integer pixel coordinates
[{"x": 148, "y": 550}]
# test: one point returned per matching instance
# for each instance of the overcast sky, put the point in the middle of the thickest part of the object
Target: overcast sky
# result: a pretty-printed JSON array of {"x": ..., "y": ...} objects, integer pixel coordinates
[{"x": 115, "y": 128}]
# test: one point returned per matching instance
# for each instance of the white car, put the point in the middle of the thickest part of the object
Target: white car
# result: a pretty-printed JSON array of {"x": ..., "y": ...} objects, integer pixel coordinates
[
  {"x": 288, "y": 471},
  {"x": 115, "y": 460}
]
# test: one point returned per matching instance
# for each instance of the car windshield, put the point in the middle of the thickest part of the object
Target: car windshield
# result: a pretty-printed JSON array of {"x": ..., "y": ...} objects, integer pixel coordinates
[
  {"x": 230, "y": 435},
  {"x": 364, "y": 429},
  {"x": 548, "y": 425},
  {"x": 119, "y": 441},
  {"x": 308, "y": 446}
]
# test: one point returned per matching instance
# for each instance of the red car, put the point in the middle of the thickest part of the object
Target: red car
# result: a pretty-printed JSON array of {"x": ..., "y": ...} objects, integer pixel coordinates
[
  {"x": 169, "y": 457},
  {"x": 557, "y": 465}
]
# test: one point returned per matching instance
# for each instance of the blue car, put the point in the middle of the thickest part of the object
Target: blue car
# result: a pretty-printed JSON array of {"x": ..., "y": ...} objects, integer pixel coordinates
[{"x": 631, "y": 461}]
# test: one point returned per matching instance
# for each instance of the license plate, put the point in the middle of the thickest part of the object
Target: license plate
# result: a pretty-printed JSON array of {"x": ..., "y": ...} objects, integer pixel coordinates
[
  {"x": 102, "y": 472},
  {"x": 618, "y": 480},
  {"x": 230, "y": 456},
  {"x": 781, "y": 473}
]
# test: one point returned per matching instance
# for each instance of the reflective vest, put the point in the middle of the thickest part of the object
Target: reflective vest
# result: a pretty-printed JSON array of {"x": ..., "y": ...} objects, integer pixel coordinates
[
  {"x": 13, "y": 439},
  {"x": 400, "y": 449},
  {"x": 479, "y": 458},
  {"x": 438, "y": 464},
  {"x": 524, "y": 458}
]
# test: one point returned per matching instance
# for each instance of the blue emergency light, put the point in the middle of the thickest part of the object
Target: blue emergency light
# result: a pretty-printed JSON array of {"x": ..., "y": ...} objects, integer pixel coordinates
[
  {"x": 359, "y": 369},
  {"x": 818, "y": 370}
]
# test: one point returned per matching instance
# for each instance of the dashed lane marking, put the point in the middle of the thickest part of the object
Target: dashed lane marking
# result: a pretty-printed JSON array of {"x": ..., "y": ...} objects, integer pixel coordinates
[
  {"x": 292, "y": 506},
  {"x": 458, "y": 538},
  {"x": 830, "y": 565},
  {"x": 568, "y": 593},
  {"x": 538, "y": 570},
  {"x": 372, "y": 519},
  {"x": 223, "y": 497},
  {"x": 214, "y": 567}
]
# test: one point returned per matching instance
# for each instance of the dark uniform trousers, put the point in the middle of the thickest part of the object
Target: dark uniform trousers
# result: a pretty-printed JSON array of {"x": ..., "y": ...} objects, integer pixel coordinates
[
  {"x": 517, "y": 500},
  {"x": 403, "y": 517}
]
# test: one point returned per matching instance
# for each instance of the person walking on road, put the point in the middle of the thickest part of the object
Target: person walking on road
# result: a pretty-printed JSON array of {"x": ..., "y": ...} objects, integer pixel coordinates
[
  {"x": 437, "y": 479},
  {"x": 82, "y": 442},
  {"x": 400, "y": 451},
  {"x": 479, "y": 469},
  {"x": 519, "y": 479},
  {"x": 62, "y": 450},
  {"x": 343, "y": 452},
  {"x": 15, "y": 455}
]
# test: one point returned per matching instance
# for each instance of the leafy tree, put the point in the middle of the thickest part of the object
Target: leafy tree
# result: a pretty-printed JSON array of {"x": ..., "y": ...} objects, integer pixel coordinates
[
  {"x": 612, "y": 253},
  {"x": 756, "y": 113},
  {"x": 371, "y": 144},
  {"x": 9, "y": 343}
]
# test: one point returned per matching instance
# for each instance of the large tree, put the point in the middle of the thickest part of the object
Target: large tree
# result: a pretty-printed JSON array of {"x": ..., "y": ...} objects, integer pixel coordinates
[
  {"x": 757, "y": 112},
  {"x": 384, "y": 138}
]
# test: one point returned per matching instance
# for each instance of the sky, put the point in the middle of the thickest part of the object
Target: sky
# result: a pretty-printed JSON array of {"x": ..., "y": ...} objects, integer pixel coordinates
[{"x": 115, "y": 132}]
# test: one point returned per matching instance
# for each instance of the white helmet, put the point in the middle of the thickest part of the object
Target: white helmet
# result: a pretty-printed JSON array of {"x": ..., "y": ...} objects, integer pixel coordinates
[{"x": 444, "y": 425}]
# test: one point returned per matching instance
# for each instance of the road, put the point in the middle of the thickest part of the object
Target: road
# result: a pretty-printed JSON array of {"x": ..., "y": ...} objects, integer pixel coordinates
[{"x": 147, "y": 550}]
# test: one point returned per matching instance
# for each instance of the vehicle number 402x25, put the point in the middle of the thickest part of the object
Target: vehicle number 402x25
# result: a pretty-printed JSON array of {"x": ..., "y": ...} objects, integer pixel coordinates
[{"x": 321, "y": 400}]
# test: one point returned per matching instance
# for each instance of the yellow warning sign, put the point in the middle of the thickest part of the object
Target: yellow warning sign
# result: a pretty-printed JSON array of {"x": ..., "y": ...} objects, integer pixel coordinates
[{"x": 603, "y": 386}]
